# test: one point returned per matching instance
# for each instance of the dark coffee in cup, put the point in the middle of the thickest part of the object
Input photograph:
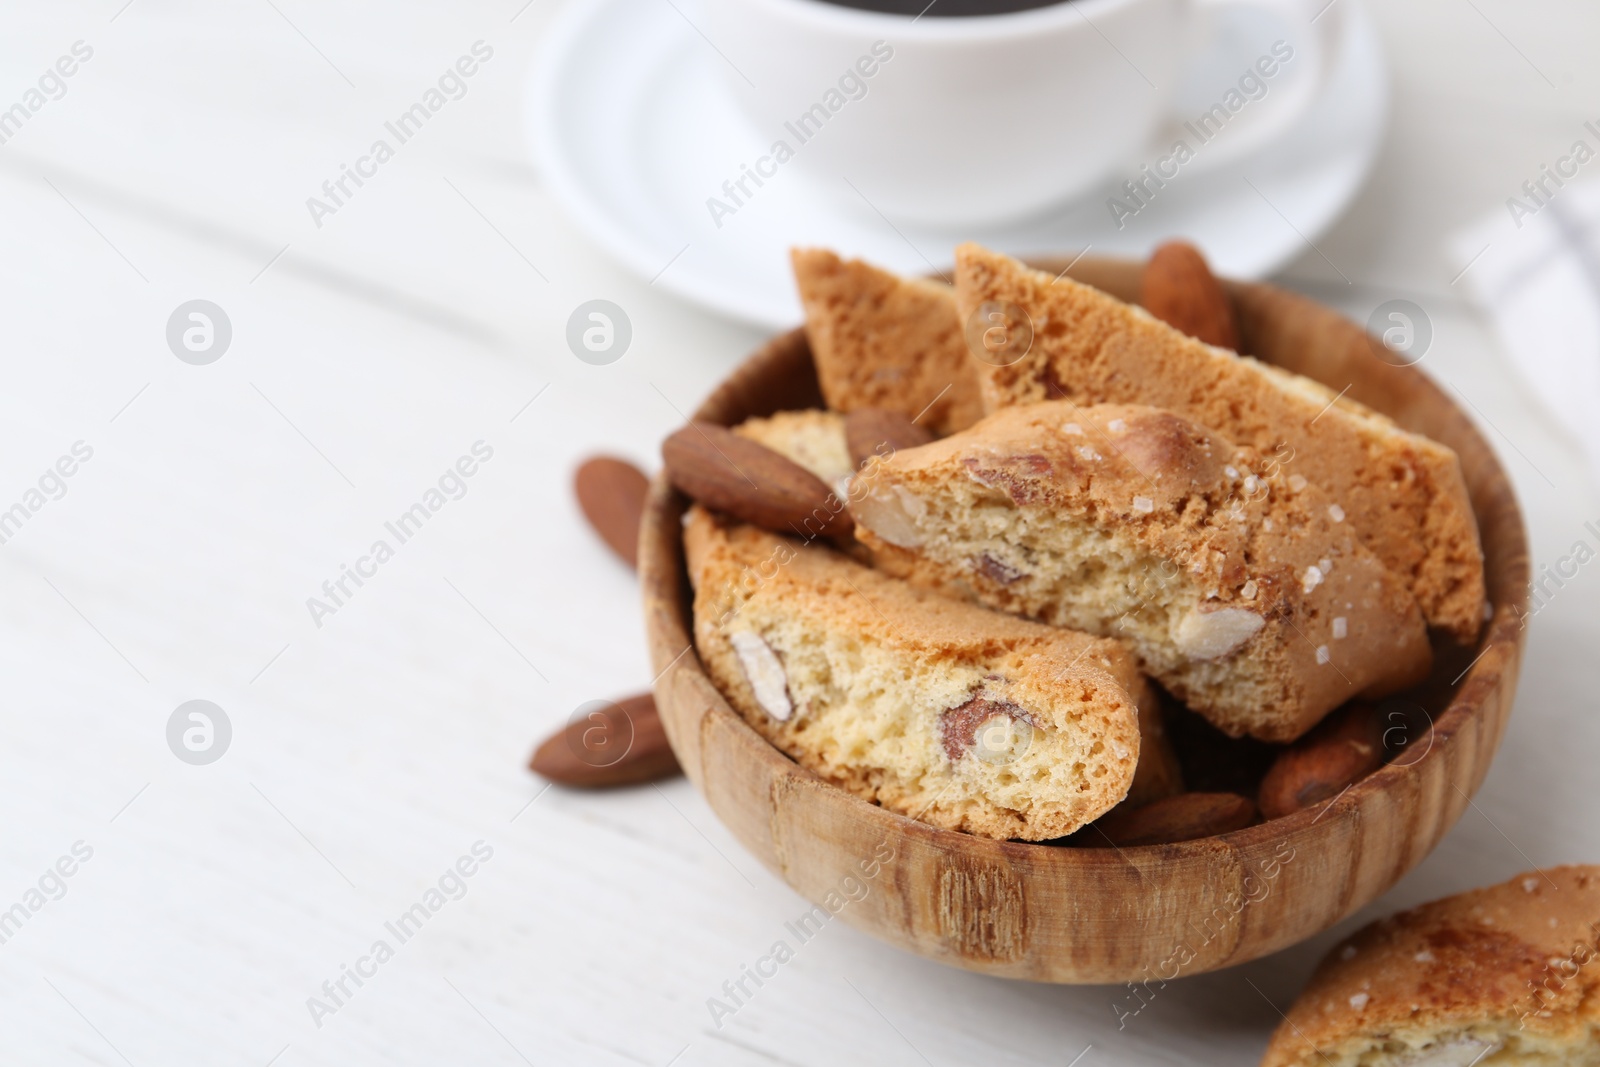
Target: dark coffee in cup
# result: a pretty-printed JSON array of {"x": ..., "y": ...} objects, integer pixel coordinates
[{"x": 945, "y": 8}]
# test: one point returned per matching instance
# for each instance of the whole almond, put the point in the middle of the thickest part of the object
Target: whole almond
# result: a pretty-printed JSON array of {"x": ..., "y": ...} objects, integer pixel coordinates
[
  {"x": 872, "y": 432},
  {"x": 621, "y": 744},
  {"x": 1344, "y": 748},
  {"x": 611, "y": 493},
  {"x": 1180, "y": 290},
  {"x": 1181, "y": 818},
  {"x": 750, "y": 481}
]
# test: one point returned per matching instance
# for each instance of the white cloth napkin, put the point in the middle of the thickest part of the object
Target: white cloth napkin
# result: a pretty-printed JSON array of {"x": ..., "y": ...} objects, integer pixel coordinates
[{"x": 1535, "y": 270}]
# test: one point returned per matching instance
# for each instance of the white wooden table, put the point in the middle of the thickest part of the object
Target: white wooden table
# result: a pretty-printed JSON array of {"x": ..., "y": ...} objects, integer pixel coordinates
[{"x": 372, "y": 752}]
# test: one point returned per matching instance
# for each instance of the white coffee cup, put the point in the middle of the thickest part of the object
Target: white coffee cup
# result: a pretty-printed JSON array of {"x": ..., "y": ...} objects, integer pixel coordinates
[{"x": 968, "y": 120}]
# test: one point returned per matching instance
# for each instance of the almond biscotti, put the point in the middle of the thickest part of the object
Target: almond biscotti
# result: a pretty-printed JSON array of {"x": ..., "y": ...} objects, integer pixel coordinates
[
  {"x": 1403, "y": 494},
  {"x": 1498, "y": 976},
  {"x": 882, "y": 341},
  {"x": 816, "y": 441},
  {"x": 942, "y": 711},
  {"x": 1239, "y": 587}
]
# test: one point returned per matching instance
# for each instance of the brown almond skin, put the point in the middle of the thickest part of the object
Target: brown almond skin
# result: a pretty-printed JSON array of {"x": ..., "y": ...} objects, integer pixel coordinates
[
  {"x": 1181, "y": 818},
  {"x": 577, "y": 755},
  {"x": 1344, "y": 748},
  {"x": 872, "y": 432},
  {"x": 611, "y": 494},
  {"x": 750, "y": 481},
  {"x": 1180, "y": 290}
]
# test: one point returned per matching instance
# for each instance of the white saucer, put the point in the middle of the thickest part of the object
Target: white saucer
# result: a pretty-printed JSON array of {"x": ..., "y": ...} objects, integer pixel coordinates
[{"x": 633, "y": 132}]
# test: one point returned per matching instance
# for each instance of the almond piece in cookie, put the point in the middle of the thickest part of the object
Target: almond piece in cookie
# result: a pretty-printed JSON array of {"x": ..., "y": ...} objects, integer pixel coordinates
[
  {"x": 1403, "y": 494},
  {"x": 963, "y": 718},
  {"x": 1504, "y": 975},
  {"x": 883, "y": 341},
  {"x": 1228, "y": 579}
]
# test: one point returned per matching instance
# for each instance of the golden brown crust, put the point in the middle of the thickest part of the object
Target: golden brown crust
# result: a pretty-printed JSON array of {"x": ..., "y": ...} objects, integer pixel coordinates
[
  {"x": 1404, "y": 494},
  {"x": 1238, "y": 585},
  {"x": 801, "y": 598},
  {"x": 882, "y": 341},
  {"x": 1513, "y": 967}
]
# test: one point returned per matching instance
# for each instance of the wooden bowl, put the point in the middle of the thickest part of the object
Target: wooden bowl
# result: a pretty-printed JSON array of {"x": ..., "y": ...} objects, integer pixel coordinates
[{"x": 1081, "y": 915}]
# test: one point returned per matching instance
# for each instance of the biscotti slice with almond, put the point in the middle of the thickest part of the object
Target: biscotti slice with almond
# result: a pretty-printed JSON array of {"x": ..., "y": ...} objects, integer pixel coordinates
[
  {"x": 883, "y": 341},
  {"x": 963, "y": 718},
  {"x": 816, "y": 440},
  {"x": 1239, "y": 587},
  {"x": 1502, "y": 976},
  {"x": 1402, "y": 493}
]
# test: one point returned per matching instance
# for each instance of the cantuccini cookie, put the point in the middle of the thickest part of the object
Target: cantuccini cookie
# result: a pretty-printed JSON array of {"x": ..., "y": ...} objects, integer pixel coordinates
[
  {"x": 960, "y": 717},
  {"x": 1494, "y": 977},
  {"x": 1403, "y": 494},
  {"x": 1239, "y": 586},
  {"x": 816, "y": 440},
  {"x": 883, "y": 341}
]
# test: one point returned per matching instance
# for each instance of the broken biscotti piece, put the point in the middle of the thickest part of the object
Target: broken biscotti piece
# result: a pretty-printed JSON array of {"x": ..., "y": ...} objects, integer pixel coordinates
[
  {"x": 1504, "y": 975},
  {"x": 942, "y": 711},
  {"x": 1239, "y": 587},
  {"x": 883, "y": 341},
  {"x": 1402, "y": 493}
]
